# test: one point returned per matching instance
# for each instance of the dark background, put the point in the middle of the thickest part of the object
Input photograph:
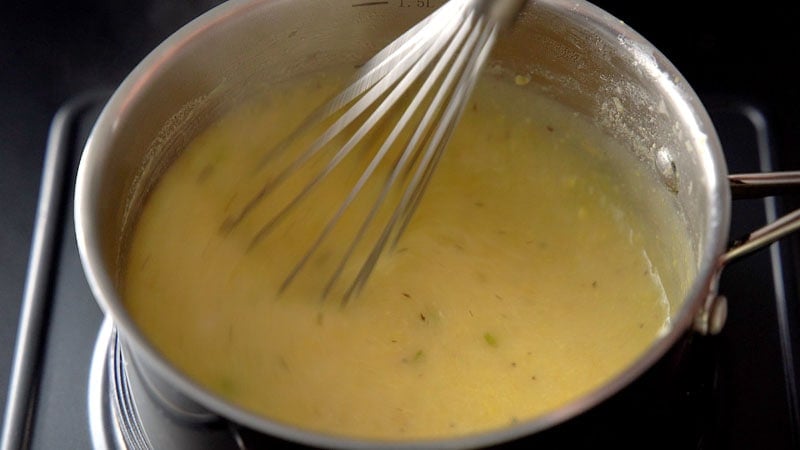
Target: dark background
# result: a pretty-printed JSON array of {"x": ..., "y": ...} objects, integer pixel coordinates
[{"x": 53, "y": 51}]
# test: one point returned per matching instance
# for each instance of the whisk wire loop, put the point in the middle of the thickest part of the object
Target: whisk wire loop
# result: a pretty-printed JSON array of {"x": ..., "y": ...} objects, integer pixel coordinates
[
  {"x": 411, "y": 150},
  {"x": 410, "y": 78},
  {"x": 482, "y": 39},
  {"x": 373, "y": 80},
  {"x": 367, "y": 89},
  {"x": 442, "y": 56}
]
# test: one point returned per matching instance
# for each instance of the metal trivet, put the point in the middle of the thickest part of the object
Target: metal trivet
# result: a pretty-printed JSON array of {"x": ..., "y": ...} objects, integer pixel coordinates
[{"x": 123, "y": 415}]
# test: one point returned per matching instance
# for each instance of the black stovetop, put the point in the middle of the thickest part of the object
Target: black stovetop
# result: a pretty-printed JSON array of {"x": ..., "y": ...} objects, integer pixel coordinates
[{"x": 738, "y": 397}]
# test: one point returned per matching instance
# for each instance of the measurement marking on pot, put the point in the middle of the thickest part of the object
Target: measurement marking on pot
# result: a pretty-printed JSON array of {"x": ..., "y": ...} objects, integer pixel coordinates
[
  {"x": 400, "y": 3},
  {"x": 370, "y": 4}
]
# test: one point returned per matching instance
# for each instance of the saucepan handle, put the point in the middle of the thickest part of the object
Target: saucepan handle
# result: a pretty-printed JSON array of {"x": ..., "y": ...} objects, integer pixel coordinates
[
  {"x": 756, "y": 185},
  {"x": 712, "y": 316}
]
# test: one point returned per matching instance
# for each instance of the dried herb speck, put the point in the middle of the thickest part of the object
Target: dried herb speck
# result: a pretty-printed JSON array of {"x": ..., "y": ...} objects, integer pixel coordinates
[
  {"x": 282, "y": 362},
  {"x": 205, "y": 172},
  {"x": 418, "y": 356}
]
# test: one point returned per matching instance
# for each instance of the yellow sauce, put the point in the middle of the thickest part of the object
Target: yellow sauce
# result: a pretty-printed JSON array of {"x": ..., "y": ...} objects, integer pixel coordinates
[{"x": 521, "y": 283}]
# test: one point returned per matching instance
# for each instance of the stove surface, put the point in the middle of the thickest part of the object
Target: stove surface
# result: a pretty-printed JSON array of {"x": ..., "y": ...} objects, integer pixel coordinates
[{"x": 744, "y": 393}]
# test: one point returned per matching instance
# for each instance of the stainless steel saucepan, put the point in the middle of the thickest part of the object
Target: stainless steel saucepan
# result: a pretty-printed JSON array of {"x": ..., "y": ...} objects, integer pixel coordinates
[{"x": 573, "y": 51}]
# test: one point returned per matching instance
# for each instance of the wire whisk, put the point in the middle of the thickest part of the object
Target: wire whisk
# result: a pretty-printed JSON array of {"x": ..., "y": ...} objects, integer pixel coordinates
[{"x": 416, "y": 88}]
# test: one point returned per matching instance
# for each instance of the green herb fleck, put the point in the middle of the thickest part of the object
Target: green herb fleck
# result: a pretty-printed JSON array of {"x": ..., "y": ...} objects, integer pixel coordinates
[
  {"x": 205, "y": 172},
  {"x": 226, "y": 386},
  {"x": 418, "y": 357},
  {"x": 490, "y": 339}
]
